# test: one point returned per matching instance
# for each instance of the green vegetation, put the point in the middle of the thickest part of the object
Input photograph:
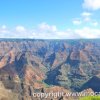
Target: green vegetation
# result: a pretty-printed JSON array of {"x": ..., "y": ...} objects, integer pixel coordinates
[{"x": 90, "y": 98}]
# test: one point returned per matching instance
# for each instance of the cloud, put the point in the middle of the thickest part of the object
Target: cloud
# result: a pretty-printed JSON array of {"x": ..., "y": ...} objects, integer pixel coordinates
[
  {"x": 88, "y": 33},
  {"x": 91, "y": 4},
  {"x": 46, "y": 31},
  {"x": 85, "y": 32},
  {"x": 95, "y": 24},
  {"x": 77, "y": 22},
  {"x": 84, "y": 18},
  {"x": 45, "y": 27},
  {"x": 3, "y": 29},
  {"x": 87, "y": 19},
  {"x": 20, "y": 29},
  {"x": 86, "y": 14},
  {"x": 55, "y": 35},
  {"x": 17, "y": 32}
]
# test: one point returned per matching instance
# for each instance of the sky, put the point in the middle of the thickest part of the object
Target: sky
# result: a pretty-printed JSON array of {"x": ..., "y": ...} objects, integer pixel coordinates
[{"x": 50, "y": 19}]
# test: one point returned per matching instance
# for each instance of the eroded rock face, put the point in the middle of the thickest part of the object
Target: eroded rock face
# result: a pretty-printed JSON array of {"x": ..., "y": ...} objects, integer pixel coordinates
[{"x": 30, "y": 65}]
